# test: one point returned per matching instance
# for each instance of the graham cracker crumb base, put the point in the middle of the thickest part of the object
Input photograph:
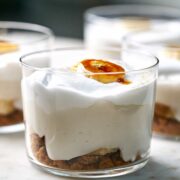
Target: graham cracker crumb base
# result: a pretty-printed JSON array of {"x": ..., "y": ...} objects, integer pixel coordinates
[
  {"x": 164, "y": 121},
  {"x": 15, "y": 117},
  {"x": 91, "y": 161}
]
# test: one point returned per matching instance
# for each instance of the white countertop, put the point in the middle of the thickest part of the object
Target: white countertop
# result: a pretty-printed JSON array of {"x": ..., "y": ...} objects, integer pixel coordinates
[{"x": 164, "y": 163}]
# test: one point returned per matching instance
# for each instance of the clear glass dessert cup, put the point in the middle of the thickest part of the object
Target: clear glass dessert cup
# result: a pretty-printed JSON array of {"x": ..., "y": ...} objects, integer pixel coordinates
[
  {"x": 88, "y": 115},
  {"x": 105, "y": 26},
  {"x": 16, "y": 39},
  {"x": 164, "y": 43}
]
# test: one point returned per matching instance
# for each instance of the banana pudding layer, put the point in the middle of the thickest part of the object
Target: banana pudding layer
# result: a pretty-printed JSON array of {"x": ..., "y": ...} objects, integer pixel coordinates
[
  {"x": 10, "y": 72},
  {"x": 72, "y": 114},
  {"x": 10, "y": 75}
]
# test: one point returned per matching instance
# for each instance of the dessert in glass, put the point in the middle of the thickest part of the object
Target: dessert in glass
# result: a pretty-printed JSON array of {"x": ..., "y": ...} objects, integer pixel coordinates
[
  {"x": 163, "y": 42},
  {"x": 86, "y": 114},
  {"x": 16, "y": 39},
  {"x": 105, "y": 26}
]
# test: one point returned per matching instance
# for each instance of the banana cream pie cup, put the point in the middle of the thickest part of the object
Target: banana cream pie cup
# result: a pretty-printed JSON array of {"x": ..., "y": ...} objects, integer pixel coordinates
[
  {"x": 16, "y": 39},
  {"x": 105, "y": 26},
  {"x": 165, "y": 44},
  {"x": 88, "y": 115}
]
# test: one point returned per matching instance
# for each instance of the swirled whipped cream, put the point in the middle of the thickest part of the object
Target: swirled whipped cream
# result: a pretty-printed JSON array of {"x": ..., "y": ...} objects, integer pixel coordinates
[{"x": 77, "y": 114}]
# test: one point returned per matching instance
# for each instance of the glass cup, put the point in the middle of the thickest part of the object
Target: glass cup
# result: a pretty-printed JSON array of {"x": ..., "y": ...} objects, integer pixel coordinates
[
  {"x": 88, "y": 115},
  {"x": 16, "y": 39},
  {"x": 163, "y": 42},
  {"x": 105, "y": 26}
]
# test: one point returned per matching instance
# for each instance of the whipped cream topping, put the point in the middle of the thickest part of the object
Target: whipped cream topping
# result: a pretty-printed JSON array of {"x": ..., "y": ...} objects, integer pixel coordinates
[
  {"x": 9, "y": 66},
  {"x": 10, "y": 76},
  {"x": 168, "y": 88},
  {"x": 165, "y": 32},
  {"x": 158, "y": 41},
  {"x": 78, "y": 115},
  {"x": 110, "y": 32}
]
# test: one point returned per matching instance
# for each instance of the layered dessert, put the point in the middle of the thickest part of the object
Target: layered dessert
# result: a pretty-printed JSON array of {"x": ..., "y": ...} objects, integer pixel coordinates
[
  {"x": 164, "y": 43},
  {"x": 16, "y": 40},
  {"x": 10, "y": 91},
  {"x": 167, "y": 109},
  {"x": 89, "y": 115},
  {"x": 167, "y": 116}
]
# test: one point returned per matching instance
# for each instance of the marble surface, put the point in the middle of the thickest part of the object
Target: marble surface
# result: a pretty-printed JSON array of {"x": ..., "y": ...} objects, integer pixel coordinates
[{"x": 164, "y": 163}]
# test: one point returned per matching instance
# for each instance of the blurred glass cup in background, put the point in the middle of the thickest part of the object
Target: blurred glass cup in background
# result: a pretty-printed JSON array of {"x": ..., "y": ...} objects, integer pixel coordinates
[
  {"x": 105, "y": 26},
  {"x": 163, "y": 42},
  {"x": 16, "y": 39}
]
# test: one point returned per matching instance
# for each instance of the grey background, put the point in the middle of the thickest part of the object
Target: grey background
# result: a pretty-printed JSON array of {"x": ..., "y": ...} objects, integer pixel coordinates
[{"x": 65, "y": 17}]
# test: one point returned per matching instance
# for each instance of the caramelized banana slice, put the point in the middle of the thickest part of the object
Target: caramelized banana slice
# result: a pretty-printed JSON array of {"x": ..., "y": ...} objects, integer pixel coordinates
[
  {"x": 172, "y": 51},
  {"x": 6, "y": 107},
  {"x": 6, "y": 47},
  {"x": 102, "y": 68}
]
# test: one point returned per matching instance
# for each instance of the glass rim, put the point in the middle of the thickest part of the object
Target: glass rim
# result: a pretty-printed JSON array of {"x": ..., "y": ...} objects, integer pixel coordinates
[
  {"x": 143, "y": 9},
  {"x": 26, "y": 26},
  {"x": 27, "y": 65}
]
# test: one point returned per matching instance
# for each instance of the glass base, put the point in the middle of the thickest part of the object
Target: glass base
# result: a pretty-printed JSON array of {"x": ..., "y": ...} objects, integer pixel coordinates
[
  {"x": 112, "y": 172},
  {"x": 166, "y": 136},
  {"x": 12, "y": 128}
]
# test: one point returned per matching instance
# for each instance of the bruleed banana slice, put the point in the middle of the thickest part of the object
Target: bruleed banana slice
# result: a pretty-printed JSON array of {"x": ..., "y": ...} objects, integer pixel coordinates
[
  {"x": 6, "y": 107},
  {"x": 6, "y": 47},
  {"x": 102, "y": 71}
]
